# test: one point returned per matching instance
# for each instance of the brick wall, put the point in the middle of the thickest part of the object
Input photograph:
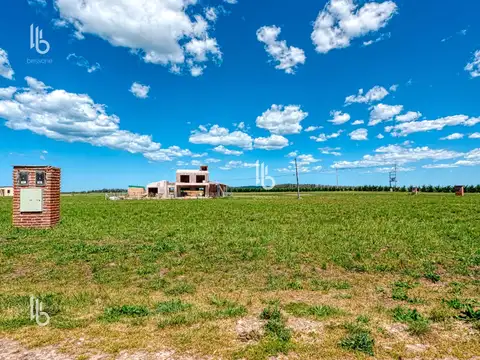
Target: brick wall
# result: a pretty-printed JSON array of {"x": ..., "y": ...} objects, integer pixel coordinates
[{"x": 50, "y": 216}]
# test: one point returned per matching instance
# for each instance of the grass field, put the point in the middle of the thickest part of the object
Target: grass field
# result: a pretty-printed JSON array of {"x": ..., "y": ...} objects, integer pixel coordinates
[{"x": 335, "y": 275}]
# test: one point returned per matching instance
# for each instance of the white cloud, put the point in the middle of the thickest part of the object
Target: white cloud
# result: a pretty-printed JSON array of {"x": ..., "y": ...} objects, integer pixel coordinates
[
  {"x": 82, "y": 62},
  {"x": 303, "y": 160},
  {"x": 199, "y": 155},
  {"x": 5, "y": 68},
  {"x": 301, "y": 169},
  {"x": 472, "y": 158},
  {"x": 359, "y": 135},
  {"x": 358, "y": 122},
  {"x": 221, "y": 136},
  {"x": 212, "y": 161},
  {"x": 7, "y": 93},
  {"x": 474, "y": 136},
  {"x": 380, "y": 136},
  {"x": 288, "y": 58},
  {"x": 376, "y": 93},
  {"x": 386, "y": 170},
  {"x": 237, "y": 165},
  {"x": 397, "y": 154},
  {"x": 211, "y": 14},
  {"x": 324, "y": 137},
  {"x": 405, "y": 129},
  {"x": 282, "y": 120},
  {"x": 439, "y": 166},
  {"x": 394, "y": 87},
  {"x": 273, "y": 142},
  {"x": 330, "y": 151},
  {"x": 339, "y": 117},
  {"x": 313, "y": 128},
  {"x": 454, "y": 136},
  {"x": 382, "y": 112},
  {"x": 71, "y": 117},
  {"x": 139, "y": 90},
  {"x": 341, "y": 21},
  {"x": 378, "y": 39},
  {"x": 231, "y": 1},
  {"x": 409, "y": 116},
  {"x": 223, "y": 150},
  {"x": 166, "y": 32},
  {"x": 473, "y": 67},
  {"x": 292, "y": 154}
]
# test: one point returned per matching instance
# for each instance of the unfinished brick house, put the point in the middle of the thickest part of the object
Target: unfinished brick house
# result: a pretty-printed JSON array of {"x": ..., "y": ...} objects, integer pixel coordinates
[{"x": 188, "y": 184}]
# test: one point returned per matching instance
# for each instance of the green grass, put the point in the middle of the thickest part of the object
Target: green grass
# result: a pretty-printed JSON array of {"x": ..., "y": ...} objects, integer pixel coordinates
[
  {"x": 315, "y": 311},
  {"x": 164, "y": 267},
  {"x": 417, "y": 323}
]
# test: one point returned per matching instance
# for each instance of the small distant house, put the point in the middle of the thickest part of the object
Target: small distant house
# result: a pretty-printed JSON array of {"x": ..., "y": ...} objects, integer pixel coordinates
[
  {"x": 188, "y": 184},
  {"x": 136, "y": 191},
  {"x": 6, "y": 191}
]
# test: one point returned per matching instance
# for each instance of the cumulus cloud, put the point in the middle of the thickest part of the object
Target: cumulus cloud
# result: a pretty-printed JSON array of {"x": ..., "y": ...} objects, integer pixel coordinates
[
  {"x": 292, "y": 154},
  {"x": 377, "y": 93},
  {"x": 273, "y": 142},
  {"x": 471, "y": 158},
  {"x": 330, "y": 151},
  {"x": 398, "y": 154},
  {"x": 359, "y": 135},
  {"x": 342, "y": 20},
  {"x": 288, "y": 58},
  {"x": 303, "y": 160},
  {"x": 339, "y": 117},
  {"x": 358, "y": 122},
  {"x": 380, "y": 136},
  {"x": 405, "y": 129},
  {"x": 282, "y": 120},
  {"x": 237, "y": 165},
  {"x": 166, "y": 32},
  {"x": 471, "y": 136},
  {"x": 473, "y": 67},
  {"x": 72, "y": 117},
  {"x": 82, "y": 62},
  {"x": 409, "y": 116},
  {"x": 223, "y": 150},
  {"x": 454, "y": 136},
  {"x": 439, "y": 166},
  {"x": 325, "y": 137},
  {"x": 5, "y": 68},
  {"x": 382, "y": 112},
  {"x": 139, "y": 90},
  {"x": 7, "y": 93},
  {"x": 313, "y": 128},
  {"x": 221, "y": 136}
]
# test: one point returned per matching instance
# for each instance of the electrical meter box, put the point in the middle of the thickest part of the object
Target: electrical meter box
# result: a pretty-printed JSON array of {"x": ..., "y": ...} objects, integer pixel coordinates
[
  {"x": 31, "y": 200},
  {"x": 36, "y": 196}
]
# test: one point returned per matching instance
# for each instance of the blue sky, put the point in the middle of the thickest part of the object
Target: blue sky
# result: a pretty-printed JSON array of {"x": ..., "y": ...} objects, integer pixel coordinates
[{"x": 128, "y": 93}]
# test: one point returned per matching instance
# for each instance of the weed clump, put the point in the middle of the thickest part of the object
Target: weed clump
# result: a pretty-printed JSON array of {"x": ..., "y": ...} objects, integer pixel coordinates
[
  {"x": 358, "y": 338},
  {"x": 417, "y": 323}
]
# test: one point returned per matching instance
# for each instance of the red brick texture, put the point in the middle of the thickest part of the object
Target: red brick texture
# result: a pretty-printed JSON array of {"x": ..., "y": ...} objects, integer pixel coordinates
[{"x": 50, "y": 216}]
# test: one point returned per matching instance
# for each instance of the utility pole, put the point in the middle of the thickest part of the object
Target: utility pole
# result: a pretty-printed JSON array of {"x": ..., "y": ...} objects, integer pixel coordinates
[
  {"x": 298, "y": 185},
  {"x": 336, "y": 171}
]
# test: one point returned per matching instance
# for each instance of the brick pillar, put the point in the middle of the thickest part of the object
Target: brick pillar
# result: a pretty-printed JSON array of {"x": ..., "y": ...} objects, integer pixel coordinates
[{"x": 49, "y": 213}]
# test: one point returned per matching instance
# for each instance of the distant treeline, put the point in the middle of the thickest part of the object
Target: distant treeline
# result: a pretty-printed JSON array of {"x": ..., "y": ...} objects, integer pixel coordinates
[
  {"x": 101, "y": 191},
  {"x": 314, "y": 187}
]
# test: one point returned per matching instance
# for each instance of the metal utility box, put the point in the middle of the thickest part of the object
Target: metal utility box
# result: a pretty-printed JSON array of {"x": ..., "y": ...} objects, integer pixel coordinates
[
  {"x": 31, "y": 200},
  {"x": 36, "y": 196}
]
